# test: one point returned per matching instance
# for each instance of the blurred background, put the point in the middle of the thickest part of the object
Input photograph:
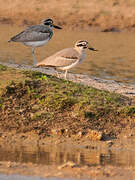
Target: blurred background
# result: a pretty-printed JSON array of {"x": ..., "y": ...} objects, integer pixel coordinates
[
  {"x": 108, "y": 25},
  {"x": 106, "y": 14}
]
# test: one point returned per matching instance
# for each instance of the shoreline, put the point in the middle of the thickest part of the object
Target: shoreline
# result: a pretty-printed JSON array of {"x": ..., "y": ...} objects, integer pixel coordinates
[
  {"x": 98, "y": 83},
  {"x": 71, "y": 27}
]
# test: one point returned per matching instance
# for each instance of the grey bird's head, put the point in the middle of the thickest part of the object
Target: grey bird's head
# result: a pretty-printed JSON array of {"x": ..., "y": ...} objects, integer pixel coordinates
[
  {"x": 83, "y": 44},
  {"x": 49, "y": 22}
]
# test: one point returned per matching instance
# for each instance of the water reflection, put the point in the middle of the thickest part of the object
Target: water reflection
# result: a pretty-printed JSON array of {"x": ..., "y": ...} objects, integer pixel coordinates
[
  {"x": 16, "y": 177},
  {"x": 59, "y": 155},
  {"x": 114, "y": 60}
]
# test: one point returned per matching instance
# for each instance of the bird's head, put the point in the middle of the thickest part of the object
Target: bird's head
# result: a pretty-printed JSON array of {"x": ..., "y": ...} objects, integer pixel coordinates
[
  {"x": 49, "y": 22},
  {"x": 83, "y": 44}
]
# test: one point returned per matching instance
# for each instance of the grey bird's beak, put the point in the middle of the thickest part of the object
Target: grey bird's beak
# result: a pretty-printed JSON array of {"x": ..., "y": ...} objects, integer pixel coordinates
[
  {"x": 57, "y": 27},
  {"x": 92, "y": 49}
]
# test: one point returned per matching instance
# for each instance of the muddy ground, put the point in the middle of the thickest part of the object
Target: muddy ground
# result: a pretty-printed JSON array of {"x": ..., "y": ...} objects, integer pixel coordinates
[
  {"x": 113, "y": 15},
  {"x": 69, "y": 170}
]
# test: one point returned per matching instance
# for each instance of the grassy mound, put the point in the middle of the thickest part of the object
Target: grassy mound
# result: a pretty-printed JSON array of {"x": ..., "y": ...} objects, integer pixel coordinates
[{"x": 42, "y": 103}]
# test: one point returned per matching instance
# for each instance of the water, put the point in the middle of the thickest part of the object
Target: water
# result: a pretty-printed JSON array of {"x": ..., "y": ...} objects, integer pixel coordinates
[
  {"x": 58, "y": 155},
  {"x": 114, "y": 60},
  {"x": 19, "y": 177}
]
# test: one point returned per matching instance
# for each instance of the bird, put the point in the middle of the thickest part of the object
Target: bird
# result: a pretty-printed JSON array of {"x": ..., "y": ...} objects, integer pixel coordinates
[
  {"x": 67, "y": 58},
  {"x": 36, "y": 35}
]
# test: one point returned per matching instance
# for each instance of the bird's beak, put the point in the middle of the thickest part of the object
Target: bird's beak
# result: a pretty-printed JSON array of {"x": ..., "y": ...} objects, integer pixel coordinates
[
  {"x": 57, "y": 27},
  {"x": 92, "y": 49}
]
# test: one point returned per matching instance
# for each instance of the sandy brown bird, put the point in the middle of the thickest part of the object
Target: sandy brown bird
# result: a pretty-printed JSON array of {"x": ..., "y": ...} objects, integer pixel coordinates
[{"x": 67, "y": 58}]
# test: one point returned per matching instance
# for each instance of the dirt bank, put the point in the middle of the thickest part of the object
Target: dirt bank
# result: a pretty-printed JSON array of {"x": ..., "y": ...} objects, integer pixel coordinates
[
  {"x": 102, "y": 84},
  {"x": 46, "y": 105},
  {"x": 103, "y": 15},
  {"x": 38, "y": 110}
]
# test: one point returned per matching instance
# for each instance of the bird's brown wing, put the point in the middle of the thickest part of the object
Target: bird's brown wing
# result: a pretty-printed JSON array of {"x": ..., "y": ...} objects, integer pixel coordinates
[{"x": 62, "y": 58}]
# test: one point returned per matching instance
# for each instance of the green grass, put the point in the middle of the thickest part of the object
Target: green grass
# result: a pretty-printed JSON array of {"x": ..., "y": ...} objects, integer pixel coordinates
[
  {"x": 41, "y": 103},
  {"x": 3, "y": 68}
]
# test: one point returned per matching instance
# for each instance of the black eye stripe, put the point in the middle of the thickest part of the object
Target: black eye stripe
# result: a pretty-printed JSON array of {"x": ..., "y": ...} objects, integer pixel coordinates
[
  {"x": 48, "y": 20},
  {"x": 46, "y": 23}
]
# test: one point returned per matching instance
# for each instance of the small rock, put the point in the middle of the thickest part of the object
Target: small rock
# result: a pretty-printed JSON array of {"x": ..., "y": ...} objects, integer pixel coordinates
[
  {"x": 109, "y": 143},
  {"x": 59, "y": 132},
  {"x": 9, "y": 164},
  {"x": 94, "y": 135},
  {"x": 67, "y": 164},
  {"x": 80, "y": 134}
]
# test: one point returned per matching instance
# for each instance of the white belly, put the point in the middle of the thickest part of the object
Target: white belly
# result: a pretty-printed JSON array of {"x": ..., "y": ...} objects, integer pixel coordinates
[{"x": 36, "y": 43}]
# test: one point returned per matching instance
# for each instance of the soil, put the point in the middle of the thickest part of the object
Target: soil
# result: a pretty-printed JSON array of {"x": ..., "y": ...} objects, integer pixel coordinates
[{"x": 113, "y": 15}]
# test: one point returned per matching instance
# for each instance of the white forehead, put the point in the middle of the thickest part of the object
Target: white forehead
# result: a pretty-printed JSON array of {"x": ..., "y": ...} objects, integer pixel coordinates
[{"x": 84, "y": 43}]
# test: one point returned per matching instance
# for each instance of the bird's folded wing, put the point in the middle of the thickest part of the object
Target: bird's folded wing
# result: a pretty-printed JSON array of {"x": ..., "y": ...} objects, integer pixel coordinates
[
  {"x": 71, "y": 53},
  {"x": 57, "y": 62},
  {"x": 33, "y": 33},
  {"x": 65, "y": 57}
]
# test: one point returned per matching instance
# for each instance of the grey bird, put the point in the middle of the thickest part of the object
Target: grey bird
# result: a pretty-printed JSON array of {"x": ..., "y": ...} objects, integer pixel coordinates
[
  {"x": 67, "y": 58},
  {"x": 36, "y": 36}
]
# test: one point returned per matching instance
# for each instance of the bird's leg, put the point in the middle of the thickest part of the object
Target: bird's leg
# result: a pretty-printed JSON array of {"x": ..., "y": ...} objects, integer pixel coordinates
[
  {"x": 65, "y": 74},
  {"x": 34, "y": 58},
  {"x": 57, "y": 74}
]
